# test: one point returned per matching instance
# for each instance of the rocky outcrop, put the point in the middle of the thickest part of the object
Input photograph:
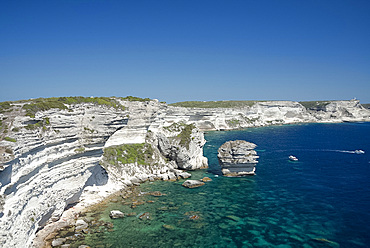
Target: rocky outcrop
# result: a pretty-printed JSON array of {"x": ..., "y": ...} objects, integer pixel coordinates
[
  {"x": 160, "y": 156},
  {"x": 192, "y": 184},
  {"x": 237, "y": 158},
  {"x": 183, "y": 144},
  {"x": 115, "y": 214},
  {"x": 54, "y": 159}
]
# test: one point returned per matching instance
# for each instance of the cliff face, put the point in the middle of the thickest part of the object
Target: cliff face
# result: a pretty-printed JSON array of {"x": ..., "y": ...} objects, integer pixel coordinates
[
  {"x": 51, "y": 164},
  {"x": 55, "y": 158}
]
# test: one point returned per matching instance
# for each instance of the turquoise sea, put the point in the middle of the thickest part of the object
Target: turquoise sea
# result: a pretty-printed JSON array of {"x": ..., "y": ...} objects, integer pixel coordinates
[{"x": 323, "y": 200}]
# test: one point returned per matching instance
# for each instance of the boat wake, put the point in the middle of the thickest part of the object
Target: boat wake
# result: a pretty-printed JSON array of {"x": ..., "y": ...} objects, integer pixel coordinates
[
  {"x": 325, "y": 150},
  {"x": 344, "y": 151}
]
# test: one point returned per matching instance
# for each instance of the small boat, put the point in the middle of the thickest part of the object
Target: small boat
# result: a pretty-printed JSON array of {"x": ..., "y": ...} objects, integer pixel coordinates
[
  {"x": 293, "y": 158},
  {"x": 359, "y": 152}
]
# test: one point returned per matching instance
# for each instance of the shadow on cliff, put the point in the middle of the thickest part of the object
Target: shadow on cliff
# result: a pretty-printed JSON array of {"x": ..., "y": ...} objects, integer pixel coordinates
[
  {"x": 99, "y": 177},
  {"x": 6, "y": 175}
]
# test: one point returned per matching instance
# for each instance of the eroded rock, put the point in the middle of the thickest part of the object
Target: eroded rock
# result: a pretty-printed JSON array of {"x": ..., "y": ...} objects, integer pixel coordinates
[{"x": 237, "y": 158}]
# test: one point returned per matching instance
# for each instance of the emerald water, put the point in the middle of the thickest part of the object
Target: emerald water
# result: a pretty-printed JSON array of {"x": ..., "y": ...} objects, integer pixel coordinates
[{"x": 323, "y": 200}]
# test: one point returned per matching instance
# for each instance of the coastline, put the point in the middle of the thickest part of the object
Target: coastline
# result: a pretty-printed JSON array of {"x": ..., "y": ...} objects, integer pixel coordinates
[
  {"x": 91, "y": 198},
  {"x": 95, "y": 196},
  {"x": 55, "y": 160}
]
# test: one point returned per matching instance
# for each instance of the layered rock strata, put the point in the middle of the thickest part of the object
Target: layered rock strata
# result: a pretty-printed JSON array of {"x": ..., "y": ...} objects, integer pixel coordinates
[
  {"x": 55, "y": 158},
  {"x": 237, "y": 158}
]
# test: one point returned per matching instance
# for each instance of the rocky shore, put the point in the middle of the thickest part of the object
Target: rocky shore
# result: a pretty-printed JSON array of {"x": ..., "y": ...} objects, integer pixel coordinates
[{"x": 55, "y": 153}]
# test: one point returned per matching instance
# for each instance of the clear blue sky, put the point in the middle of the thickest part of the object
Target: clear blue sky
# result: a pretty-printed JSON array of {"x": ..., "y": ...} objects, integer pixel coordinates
[{"x": 180, "y": 50}]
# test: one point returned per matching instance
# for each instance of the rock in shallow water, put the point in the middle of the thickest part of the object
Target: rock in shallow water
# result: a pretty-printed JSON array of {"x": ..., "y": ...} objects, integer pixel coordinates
[
  {"x": 192, "y": 183},
  {"x": 144, "y": 216},
  {"x": 168, "y": 227},
  {"x": 58, "y": 242},
  {"x": 81, "y": 224},
  {"x": 115, "y": 214},
  {"x": 237, "y": 158},
  {"x": 206, "y": 179}
]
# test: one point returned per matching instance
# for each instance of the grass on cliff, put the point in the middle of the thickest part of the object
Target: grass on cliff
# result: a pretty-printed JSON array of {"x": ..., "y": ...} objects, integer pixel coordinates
[
  {"x": 214, "y": 104},
  {"x": 10, "y": 139},
  {"x": 43, "y": 104},
  {"x": 185, "y": 135},
  {"x": 134, "y": 98},
  {"x": 5, "y": 107},
  {"x": 129, "y": 153},
  {"x": 42, "y": 123},
  {"x": 175, "y": 127}
]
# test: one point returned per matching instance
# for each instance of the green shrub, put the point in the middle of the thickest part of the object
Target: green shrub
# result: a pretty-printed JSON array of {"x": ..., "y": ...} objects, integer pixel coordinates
[
  {"x": 47, "y": 121},
  {"x": 80, "y": 149},
  {"x": 89, "y": 130},
  {"x": 10, "y": 139},
  {"x": 16, "y": 129},
  {"x": 129, "y": 153},
  {"x": 233, "y": 122},
  {"x": 134, "y": 98},
  {"x": 43, "y": 104},
  {"x": 5, "y": 107},
  {"x": 185, "y": 135},
  {"x": 8, "y": 150},
  {"x": 175, "y": 127}
]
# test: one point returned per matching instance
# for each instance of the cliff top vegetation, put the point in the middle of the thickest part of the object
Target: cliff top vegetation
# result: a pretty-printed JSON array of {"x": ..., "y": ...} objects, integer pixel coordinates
[
  {"x": 42, "y": 104},
  {"x": 32, "y": 106},
  {"x": 134, "y": 98}
]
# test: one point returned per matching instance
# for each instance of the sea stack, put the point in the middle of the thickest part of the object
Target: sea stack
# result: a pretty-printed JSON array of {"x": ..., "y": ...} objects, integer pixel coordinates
[{"x": 237, "y": 158}]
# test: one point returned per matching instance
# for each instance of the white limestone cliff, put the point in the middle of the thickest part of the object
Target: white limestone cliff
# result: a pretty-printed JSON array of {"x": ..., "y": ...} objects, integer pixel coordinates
[{"x": 58, "y": 163}]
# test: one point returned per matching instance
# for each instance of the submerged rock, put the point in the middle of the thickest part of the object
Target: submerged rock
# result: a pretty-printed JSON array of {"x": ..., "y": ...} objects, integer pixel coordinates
[
  {"x": 192, "y": 184},
  {"x": 192, "y": 215},
  {"x": 237, "y": 158},
  {"x": 115, "y": 214},
  {"x": 156, "y": 193},
  {"x": 144, "y": 216},
  {"x": 206, "y": 179},
  {"x": 233, "y": 217},
  {"x": 168, "y": 227}
]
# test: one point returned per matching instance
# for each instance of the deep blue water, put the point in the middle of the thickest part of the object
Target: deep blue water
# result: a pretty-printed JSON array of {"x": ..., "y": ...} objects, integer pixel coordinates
[{"x": 323, "y": 200}]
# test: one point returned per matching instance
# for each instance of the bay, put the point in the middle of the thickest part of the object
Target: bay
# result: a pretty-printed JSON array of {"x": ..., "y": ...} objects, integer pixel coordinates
[{"x": 322, "y": 200}]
